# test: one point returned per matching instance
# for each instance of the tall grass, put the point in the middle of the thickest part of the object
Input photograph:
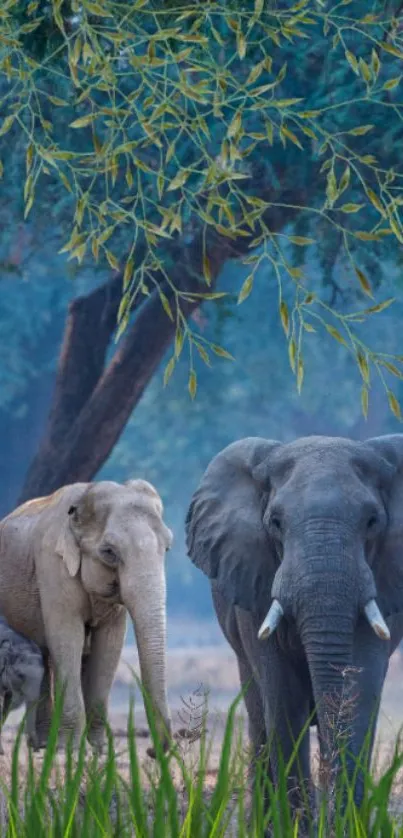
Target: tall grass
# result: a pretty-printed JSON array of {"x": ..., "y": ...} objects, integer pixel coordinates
[{"x": 90, "y": 797}]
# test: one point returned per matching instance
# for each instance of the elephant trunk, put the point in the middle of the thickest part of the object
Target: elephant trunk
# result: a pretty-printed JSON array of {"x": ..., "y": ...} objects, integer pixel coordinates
[
  {"x": 328, "y": 644},
  {"x": 332, "y": 592},
  {"x": 146, "y": 604}
]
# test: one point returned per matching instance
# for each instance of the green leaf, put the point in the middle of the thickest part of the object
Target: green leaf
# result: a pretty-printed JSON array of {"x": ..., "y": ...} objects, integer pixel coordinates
[
  {"x": 344, "y": 181},
  {"x": 366, "y": 237},
  {"x": 364, "y": 400},
  {"x": 285, "y": 317},
  {"x": 375, "y": 201},
  {"x": 364, "y": 70},
  {"x": 59, "y": 103},
  {"x": 169, "y": 370},
  {"x": 123, "y": 307},
  {"x": 331, "y": 188},
  {"x": 283, "y": 103},
  {"x": 128, "y": 272},
  {"x": 375, "y": 63},
  {"x": 391, "y": 368},
  {"x": 206, "y": 269},
  {"x": 302, "y": 241},
  {"x": 222, "y": 353},
  {"x": 396, "y": 228},
  {"x": 292, "y": 351},
  {"x": 83, "y": 121},
  {"x": 235, "y": 125},
  {"x": 285, "y": 132},
  {"x": 241, "y": 44},
  {"x": 363, "y": 366},
  {"x": 352, "y": 61},
  {"x": 300, "y": 374},
  {"x": 192, "y": 384},
  {"x": 364, "y": 282},
  {"x": 351, "y": 207},
  {"x": 380, "y": 306},
  {"x": 368, "y": 159},
  {"x": 246, "y": 289},
  {"x": 392, "y": 83},
  {"x": 28, "y": 205},
  {"x": 393, "y": 402},
  {"x": 179, "y": 180},
  {"x": 97, "y": 9},
  {"x": 336, "y": 334},
  {"x": 360, "y": 130},
  {"x": 6, "y": 124},
  {"x": 203, "y": 354},
  {"x": 391, "y": 49},
  {"x": 165, "y": 304},
  {"x": 254, "y": 74},
  {"x": 179, "y": 338}
]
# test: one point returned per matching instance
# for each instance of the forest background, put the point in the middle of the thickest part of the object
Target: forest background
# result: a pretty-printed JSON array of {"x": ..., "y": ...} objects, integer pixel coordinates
[{"x": 224, "y": 181}]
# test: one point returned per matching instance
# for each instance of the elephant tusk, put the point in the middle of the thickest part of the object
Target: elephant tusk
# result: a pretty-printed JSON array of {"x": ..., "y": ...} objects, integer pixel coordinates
[
  {"x": 271, "y": 621},
  {"x": 376, "y": 620}
]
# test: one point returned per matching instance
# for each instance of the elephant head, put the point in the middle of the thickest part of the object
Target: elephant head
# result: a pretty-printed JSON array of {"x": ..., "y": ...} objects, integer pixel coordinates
[
  {"x": 115, "y": 539},
  {"x": 306, "y": 536}
]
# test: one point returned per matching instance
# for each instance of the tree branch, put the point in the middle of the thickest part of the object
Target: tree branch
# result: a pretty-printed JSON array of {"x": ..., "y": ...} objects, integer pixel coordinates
[
  {"x": 76, "y": 381},
  {"x": 92, "y": 405}
]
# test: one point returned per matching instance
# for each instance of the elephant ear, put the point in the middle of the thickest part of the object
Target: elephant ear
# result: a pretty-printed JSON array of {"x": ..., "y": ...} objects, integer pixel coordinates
[
  {"x": 388, "y": 565},
  {"x": 67, "y": 545},
  {"x": 224, "y": 528}
]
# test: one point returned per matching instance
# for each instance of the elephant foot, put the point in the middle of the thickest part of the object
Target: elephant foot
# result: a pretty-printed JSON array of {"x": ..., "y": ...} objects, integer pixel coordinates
[
  {"x": 151, "y": 751},
  {"x": 40, "y": 737},
  {"x": 98, "y": 745},
  {"x": 33, "y": 743}
]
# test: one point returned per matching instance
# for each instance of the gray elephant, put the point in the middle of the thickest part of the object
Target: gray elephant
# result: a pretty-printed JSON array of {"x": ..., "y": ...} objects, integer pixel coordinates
[
  {"x": 70, "y": 566},
  {"x": 303, "y": 544},
  {"x": 21, "y": 674}
]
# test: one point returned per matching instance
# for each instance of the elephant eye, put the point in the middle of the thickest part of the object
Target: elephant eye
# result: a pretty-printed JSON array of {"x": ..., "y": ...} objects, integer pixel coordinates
[
  {"x": 372, "y": 522},
  {"x": 109, "y": 556},
  {"x": 275, "y": 523}
]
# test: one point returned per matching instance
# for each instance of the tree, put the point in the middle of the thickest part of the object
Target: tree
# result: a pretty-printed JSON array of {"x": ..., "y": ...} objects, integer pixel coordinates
[{"x": 228, "y": 131}]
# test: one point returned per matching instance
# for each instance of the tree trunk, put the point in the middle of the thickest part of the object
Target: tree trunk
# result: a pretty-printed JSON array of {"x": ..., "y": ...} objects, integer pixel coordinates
[{"x": 93, "y": 402}]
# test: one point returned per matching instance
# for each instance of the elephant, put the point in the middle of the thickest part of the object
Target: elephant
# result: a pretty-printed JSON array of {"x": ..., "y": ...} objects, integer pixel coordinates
[
  {"x": 71, "y": 565},
  {"x": 303, "y": 545}
]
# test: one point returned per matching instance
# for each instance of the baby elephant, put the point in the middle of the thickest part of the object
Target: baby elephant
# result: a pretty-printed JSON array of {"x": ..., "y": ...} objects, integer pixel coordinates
[{"x": 21, "y": 673}]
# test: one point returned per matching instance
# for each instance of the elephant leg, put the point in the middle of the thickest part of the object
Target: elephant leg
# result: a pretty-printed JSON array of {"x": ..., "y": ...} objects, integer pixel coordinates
[
  {"x": 286, "y": 699},
  {"x": 65, "y": 636},
  {"x": 98, "y": 674},
  {"x": 5, "y": 704},
  {"x": 259, "y": 768},
  {"x": 370, "y": 664},
  {"x": 254, "y": 707},
  {"x": 32, "y": 700},
  {"x": 44, "y": 708}
]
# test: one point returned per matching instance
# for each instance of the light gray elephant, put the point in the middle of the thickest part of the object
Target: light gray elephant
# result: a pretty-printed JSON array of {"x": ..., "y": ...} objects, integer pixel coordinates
[
  {"x": 303, "y": 544},
  {"x": 70, "y": 566}
]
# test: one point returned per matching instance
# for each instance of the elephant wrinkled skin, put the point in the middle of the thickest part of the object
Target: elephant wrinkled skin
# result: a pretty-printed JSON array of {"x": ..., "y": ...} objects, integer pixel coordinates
[
  {"x": 306, "y": 537},
  {"x": 70, "y": 566}
]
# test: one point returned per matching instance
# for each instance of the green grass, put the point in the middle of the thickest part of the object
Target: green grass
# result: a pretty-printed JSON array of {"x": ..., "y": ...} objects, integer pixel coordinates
[{"x": 92, "y": 798}]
